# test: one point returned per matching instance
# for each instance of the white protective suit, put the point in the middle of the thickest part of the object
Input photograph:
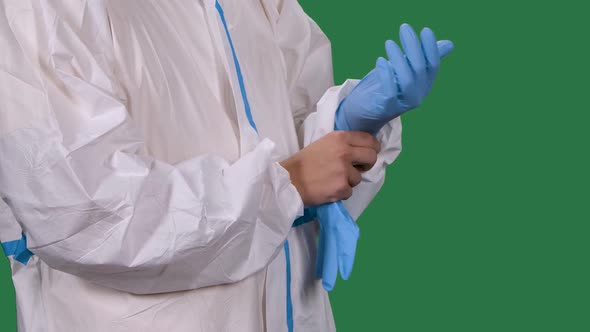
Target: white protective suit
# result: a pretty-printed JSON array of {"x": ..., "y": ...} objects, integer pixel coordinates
[{"x": 130, "y": 161}]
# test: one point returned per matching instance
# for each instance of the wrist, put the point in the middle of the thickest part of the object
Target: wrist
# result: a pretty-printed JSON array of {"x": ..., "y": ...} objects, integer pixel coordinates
[
  {"x": 293, "y": 166},
  {"x": 340, "y": 122}
]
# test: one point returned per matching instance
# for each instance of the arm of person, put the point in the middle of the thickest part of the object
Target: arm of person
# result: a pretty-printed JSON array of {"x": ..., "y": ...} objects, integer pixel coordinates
[
  {"x": 90, "y": 203},
  {"x": 314, "y": 98}
]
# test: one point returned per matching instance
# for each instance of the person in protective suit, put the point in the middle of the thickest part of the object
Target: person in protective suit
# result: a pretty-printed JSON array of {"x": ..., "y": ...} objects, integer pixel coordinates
[{"x": 157, "y": 157}]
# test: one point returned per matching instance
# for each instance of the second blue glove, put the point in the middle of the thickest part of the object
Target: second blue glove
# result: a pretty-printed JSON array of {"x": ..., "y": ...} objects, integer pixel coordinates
[{"x": 337, "y": 243}]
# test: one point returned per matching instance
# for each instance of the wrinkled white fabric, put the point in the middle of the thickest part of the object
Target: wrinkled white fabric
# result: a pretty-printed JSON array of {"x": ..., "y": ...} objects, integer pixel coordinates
[{"x": 127, "y": 159}]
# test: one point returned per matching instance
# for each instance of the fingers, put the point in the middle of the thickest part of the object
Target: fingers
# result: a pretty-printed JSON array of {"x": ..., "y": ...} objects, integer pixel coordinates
[
  {"x": 361, "y": 139},
  {"x": 366, "y": 157},
  {"x": 348, "y": 233},
  {"x": 431, "y": 54},
  {"x": 415, "y": 71},
  {"x": 337, "y": 243},
  {"x": 330, "y": 248},
  {"x": 342, "y": 191},
  {"x": 354, "y": 176},
  {"x": 414, "y": 53},
  {"x": 400, "y": 66},
  {"x": 390, "y": 86},
  {"x": 444, "y": 47}
]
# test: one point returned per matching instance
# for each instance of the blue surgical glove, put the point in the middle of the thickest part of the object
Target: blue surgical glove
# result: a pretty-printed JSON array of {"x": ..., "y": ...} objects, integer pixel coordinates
[
  {"x": 395, "y": 86},
  {"x": 337, "y": 243}
]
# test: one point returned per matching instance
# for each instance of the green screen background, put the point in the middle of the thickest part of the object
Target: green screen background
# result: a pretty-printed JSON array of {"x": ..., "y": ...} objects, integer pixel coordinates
[{"x": 483, "y": 223}]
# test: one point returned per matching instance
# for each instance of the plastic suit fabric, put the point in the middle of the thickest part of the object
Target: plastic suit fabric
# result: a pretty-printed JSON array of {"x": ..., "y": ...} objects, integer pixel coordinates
[{"x": 128, "y": 160}]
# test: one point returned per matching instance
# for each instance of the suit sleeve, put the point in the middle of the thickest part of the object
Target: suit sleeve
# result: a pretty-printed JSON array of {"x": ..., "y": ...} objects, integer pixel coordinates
[{"x": 89, "y": 202}]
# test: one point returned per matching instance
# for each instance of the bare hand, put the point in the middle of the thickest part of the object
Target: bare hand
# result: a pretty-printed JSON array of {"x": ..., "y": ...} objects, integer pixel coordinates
[{"x": 328, "y": 169}]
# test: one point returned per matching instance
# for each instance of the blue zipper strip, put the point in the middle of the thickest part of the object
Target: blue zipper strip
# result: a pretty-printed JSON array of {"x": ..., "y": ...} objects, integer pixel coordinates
[
  {"x": 18, "y": 249},
  {"x": 289, "y": 301},
  {"x": 309, "y": 214},
  {"x": 238, "y": 69}
]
